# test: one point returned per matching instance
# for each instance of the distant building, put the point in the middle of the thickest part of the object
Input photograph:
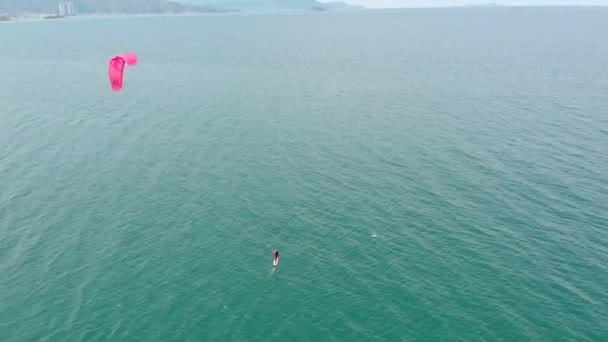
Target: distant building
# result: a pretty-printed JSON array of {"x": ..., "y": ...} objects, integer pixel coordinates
[{"x": 66, "y": 8}]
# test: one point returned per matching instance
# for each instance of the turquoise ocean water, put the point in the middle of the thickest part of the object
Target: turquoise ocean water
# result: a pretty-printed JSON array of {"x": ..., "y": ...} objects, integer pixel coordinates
[{"x": 428, "y": 175}]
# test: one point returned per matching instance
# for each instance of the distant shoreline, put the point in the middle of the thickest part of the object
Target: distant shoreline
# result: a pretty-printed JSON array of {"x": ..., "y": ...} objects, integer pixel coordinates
[
  {"x": 46, "y": 17},
  {"x": 52, "y": 17}
]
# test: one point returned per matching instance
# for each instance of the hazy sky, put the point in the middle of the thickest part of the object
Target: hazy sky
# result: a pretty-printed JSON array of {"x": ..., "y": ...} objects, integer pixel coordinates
[{"x": 435, "y": 3}]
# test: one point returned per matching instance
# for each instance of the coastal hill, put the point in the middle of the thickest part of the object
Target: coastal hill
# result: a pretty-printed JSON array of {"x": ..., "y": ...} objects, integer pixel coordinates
[
  {"x": 165, "y": 6},
  {"x": 138, "y": 6},
  {"x": 337, "y": 5},
  {"x": 274, "y": 5},
  {"x": 104, "y": 6}
]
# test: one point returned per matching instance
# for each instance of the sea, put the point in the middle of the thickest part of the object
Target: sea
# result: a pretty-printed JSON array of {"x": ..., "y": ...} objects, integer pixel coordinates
[{"x": 426, "y": 174}]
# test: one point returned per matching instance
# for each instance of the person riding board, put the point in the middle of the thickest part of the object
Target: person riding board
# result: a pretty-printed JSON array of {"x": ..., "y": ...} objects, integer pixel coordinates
[{"x": 275, "y": 252}]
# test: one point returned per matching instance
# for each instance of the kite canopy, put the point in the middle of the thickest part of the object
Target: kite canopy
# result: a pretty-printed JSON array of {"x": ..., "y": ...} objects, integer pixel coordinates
[
  {"x": 116, "y": 68},
  {"x": 130, "y": 58}
]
